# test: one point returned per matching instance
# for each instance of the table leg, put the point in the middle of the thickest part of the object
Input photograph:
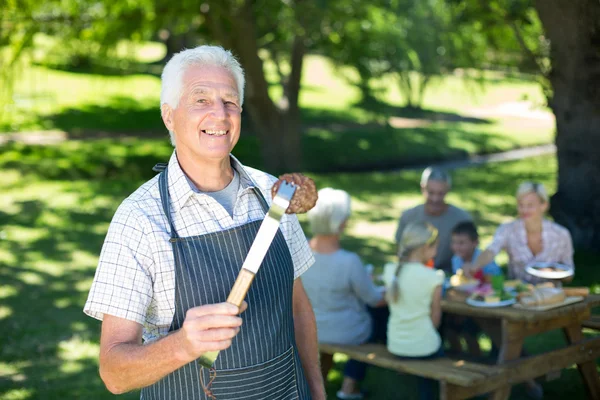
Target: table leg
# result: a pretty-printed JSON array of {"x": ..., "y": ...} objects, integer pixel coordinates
[
  {"x": 510, "y": 349},
  {"x": 588, "y": 371}
]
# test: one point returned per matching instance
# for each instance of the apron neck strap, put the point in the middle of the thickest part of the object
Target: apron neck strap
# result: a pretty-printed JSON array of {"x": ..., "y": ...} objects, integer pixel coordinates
[
  {"x": 163, "y": 186},
  {"x": 261, "y": 199}
]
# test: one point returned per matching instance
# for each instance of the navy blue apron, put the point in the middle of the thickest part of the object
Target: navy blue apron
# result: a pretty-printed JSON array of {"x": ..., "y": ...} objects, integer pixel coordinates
[{"x": 262, "y": 362}]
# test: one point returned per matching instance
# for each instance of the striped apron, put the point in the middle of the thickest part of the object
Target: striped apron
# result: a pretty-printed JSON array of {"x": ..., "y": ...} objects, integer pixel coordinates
[{"x": 262, "y": 362}]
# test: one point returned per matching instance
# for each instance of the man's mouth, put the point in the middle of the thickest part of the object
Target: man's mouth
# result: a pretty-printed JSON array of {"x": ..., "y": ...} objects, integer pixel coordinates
[{"x": 215, "y": 132}]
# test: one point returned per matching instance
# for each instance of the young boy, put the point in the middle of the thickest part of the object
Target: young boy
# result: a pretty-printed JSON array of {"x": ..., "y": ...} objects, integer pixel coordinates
[{"x": 465, "y": 241}]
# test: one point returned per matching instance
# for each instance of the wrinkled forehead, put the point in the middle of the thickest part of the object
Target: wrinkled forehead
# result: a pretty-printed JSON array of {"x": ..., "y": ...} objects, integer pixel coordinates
[{"x": 206, "y": 79}]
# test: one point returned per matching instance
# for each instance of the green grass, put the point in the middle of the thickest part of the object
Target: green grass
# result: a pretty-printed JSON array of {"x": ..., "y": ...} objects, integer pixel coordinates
[
  {"x": 459, "y": 118},
  {"x": 57, "y": 207}
]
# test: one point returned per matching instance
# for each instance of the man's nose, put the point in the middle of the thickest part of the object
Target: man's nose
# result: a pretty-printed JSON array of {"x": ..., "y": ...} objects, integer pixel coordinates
[{"x": 218, "y": 110}]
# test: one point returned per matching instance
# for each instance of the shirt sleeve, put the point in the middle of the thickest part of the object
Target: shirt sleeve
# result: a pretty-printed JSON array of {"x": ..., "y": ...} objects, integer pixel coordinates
[
  {"x": 438, "y": 278},
  {"x": 457, "y": 263},
  {"x": 500, "y": 239},
  {"x": 122, "y": 285},
  {"x": 361, "y": 283},
  {"x": 401, "y": 226},
  {"x": 566, "y": 251},
  {"x": 302, "y": 255}
]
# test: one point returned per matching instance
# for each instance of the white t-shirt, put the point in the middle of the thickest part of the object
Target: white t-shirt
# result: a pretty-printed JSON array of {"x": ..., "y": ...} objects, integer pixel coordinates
[{"x": 410, "y": 330}]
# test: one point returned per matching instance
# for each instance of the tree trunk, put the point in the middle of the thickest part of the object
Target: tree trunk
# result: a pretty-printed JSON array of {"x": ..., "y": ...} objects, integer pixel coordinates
[
  {"x": 573, "y": 27},
  {"x": 278, "y": 130}
]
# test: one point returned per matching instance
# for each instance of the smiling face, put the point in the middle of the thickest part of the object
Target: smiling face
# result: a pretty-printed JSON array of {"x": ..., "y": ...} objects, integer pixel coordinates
[
  {"x": 531, "y": 207},
  {"x": 435, "y": 197},
  {"x": 207, "y": 120},
  {"x": 463, "y": 246}
]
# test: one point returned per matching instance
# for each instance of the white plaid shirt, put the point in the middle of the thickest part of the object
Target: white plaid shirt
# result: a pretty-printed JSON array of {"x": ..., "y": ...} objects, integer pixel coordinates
[
  {"x": 135, "y": 277},
  {"x": 557, "y": 246}
]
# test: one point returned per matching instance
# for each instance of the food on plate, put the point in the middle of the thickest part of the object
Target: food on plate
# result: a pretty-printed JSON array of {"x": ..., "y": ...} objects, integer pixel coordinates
[
  {"x": 577, "y": 291},
  {"x": 547, "y": 268},
  {"x": 544, "y": 285},
  {"x": 486, "y": 294},
  {"x": 492, "y": 299},
  {"x": 460, "y": 279},
  {"x": 543, "y": 297},
  {"x": 305, "y": 196},
  {"x": 518, "y": 286}
]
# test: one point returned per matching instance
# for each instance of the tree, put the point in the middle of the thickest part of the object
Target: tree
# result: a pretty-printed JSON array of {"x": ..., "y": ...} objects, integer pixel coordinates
[
  {"x": 560, "y": 41},
  {"x": 573, "y": 28}
]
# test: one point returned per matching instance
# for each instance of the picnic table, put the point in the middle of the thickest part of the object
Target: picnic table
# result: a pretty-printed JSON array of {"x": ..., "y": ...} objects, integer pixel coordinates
[{"x": 508, "y": 327}]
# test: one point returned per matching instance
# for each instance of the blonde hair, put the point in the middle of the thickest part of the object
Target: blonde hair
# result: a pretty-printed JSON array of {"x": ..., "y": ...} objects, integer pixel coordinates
[
  {"x": 330, "y": 212},
  {"x": 533, "y": 187},
  {"x": 414, "y": 236}
]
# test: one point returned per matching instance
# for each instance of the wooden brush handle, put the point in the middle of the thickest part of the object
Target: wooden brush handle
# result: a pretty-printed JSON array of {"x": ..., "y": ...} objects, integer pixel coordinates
[
  {"x": 236, "y": 297},
  {"x": 240, "y": 287}
]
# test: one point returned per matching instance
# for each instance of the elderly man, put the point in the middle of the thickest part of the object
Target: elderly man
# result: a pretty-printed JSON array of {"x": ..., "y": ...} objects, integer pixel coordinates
[
  {"x": 435, "y": 184},
  {"x": 173, "y": 251}
]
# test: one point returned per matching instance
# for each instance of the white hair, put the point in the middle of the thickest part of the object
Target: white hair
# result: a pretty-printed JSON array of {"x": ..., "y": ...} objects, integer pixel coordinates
[
  {"x": 435, "y": 174},
  {"x": 533, "y": 187},
  {"x": 172, "y": 75},
  {"x": 330, "y": 212}
]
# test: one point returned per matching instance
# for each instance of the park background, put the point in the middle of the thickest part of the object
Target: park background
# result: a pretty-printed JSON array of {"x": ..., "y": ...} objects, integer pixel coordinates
[{"x": 358, "y": 95}]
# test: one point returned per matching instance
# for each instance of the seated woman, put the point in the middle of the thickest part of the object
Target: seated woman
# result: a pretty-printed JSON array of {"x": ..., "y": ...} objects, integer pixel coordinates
[
  {"x": 414, "y": 299},
  {"x": 339, "y": 287},
  {"x": 529, "y": 238}
]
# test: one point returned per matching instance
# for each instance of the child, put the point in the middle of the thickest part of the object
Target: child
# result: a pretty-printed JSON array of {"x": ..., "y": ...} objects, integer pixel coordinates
[
  {"x": 464, "y": 246},
  {"x": 414, "y": 299},
  {"x": 465, "y": 240}
]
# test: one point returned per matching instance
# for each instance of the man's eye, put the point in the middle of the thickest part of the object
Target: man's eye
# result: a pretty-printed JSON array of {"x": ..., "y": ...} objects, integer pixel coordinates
[{"x": 201, "y": 101}]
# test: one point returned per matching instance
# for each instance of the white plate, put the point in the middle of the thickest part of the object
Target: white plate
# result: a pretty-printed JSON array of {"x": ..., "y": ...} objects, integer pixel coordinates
[
  {"x": 466, "y": 287},
  {"x": 564, "y": 270},
  {"x": 483, "y": 304}
]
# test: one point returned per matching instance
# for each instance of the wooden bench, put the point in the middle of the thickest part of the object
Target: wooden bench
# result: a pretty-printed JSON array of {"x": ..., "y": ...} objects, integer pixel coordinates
[
  {"x": 593, "y": 322},
  {"x": 460, "y": 379}
]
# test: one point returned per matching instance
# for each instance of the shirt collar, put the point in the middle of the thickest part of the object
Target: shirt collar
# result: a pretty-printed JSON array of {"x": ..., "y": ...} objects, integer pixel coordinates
[{"x": 180, "y": 189}]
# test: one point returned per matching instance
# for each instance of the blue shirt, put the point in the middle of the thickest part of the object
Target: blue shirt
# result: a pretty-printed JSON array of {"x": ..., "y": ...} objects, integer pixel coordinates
[{"x": 490, "y": 269}]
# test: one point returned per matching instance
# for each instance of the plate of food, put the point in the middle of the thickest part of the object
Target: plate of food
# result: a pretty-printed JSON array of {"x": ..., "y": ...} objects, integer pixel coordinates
[
  {"x": 549, "y": 270},
  {"x": 491, "y": 298},
  {"x": 461, "y": 282}
]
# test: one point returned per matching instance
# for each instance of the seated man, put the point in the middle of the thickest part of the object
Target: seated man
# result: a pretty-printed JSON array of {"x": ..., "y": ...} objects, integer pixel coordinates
[{"x": 435, "y": 184}]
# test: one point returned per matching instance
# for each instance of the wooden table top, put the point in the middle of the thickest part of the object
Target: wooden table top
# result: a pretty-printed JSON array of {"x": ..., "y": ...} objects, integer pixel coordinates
[{"x": 454, "y": 303}]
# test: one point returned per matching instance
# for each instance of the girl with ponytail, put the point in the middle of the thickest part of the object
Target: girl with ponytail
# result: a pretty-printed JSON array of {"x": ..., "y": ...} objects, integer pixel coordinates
[{"x": 414, "y": 298}]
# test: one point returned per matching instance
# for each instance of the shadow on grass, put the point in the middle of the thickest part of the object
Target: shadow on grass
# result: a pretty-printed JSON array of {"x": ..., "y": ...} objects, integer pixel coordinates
[
  {"x": 50, "y": 343},
  {"x": 381, "y": 108}
]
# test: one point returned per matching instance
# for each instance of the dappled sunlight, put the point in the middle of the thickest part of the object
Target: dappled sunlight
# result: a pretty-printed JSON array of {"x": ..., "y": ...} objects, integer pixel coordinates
[
  {"x": 76, "y": 348},
  {"x": 5, "y": 312},
  {"x": 30, "y": 277},
  {"x": 7, "y": 291},
  {"x": 18, "y": 394}
]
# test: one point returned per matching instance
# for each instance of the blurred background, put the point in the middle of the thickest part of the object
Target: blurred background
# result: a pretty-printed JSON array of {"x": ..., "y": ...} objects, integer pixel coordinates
[{"x": 359, "y": 95}]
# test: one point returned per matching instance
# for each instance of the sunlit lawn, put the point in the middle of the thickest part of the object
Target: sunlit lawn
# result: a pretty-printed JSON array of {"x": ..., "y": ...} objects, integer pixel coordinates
[
  {"x": 461, "y": 117},
  {"x": 57, "y": 207}
]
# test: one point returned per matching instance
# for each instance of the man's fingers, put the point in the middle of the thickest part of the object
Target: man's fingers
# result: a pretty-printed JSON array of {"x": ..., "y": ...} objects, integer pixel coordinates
[
  {"x": 243, "y": 307},
  {"x": 217, "y": 335},
  {"x": 212, "y": 321},
  {"x": 212, "y": 309}
]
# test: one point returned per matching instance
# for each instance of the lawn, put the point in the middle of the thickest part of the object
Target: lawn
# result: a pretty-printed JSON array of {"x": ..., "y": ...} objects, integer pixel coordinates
[
  {"x": 460, "y": 116},
  {"x": 58, "y": 202}
]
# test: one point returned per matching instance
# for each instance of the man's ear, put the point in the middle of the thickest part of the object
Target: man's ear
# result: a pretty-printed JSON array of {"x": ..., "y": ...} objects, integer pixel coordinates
[{"x": 166, "y": 113}]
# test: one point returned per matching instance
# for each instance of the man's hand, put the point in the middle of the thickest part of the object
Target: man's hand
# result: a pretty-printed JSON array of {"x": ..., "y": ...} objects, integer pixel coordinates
[{"x": 209, "y": 328}]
